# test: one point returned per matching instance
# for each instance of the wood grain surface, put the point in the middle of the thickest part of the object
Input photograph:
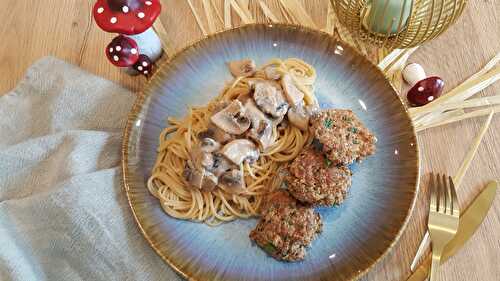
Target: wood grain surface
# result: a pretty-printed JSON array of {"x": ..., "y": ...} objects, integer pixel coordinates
[{"x": 65, "y": 29}]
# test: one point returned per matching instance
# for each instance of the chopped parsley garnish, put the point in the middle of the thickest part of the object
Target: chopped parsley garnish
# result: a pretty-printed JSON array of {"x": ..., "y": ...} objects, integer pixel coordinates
[
  {"x": 328, "y": 163},
  {"x": 355, "y": 142},
  {"x": 353, "y": 129},
  {"x": 328, "y": 123},
  {"x": 269, "y": 247}
]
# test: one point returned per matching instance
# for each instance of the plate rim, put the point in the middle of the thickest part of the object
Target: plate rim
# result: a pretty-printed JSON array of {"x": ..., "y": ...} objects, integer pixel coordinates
[{"x": 143, "y": 94}]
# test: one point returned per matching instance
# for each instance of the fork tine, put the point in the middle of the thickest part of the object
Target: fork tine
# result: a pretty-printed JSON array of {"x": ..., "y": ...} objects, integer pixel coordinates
[
  {"x": 448, "y": 200},
  {"x": 454, "y": 199},
  {"x": 442, "y": 194},
  {"x": 434, "y": 185}
]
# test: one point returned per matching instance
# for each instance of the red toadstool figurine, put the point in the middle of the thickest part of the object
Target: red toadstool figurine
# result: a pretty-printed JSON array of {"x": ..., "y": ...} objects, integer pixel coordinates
[
  {"x": 134, "y": 18},
  {"x": 144, "y": 65},
  {"x": 122, "y": 51},
  {"x": 423, "y": 90}
]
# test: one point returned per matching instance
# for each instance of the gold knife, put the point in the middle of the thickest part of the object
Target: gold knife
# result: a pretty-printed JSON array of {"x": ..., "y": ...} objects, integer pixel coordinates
[{"x": 469, "y": 223}]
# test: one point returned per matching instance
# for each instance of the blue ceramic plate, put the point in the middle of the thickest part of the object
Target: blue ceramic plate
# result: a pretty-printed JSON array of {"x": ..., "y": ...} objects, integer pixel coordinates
[{"x": 355, "y": 235}]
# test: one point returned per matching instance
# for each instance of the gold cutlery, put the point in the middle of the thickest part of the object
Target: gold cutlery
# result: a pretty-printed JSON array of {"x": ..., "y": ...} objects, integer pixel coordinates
[
  {"x": 457, "y": 180},
  {"x": 444, "y": 215},
  {"x": 470, "y": 221}
]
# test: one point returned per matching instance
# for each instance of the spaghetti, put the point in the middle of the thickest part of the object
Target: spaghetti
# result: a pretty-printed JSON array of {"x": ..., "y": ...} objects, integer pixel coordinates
[{"x": 181, "y": 201}]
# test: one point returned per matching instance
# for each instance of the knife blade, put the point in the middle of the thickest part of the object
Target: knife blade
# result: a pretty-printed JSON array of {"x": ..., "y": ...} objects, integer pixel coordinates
[{"x": 469, "y": 223}]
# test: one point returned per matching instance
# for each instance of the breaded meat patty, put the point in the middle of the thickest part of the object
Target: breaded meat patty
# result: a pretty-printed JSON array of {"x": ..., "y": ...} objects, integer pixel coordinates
[
  {"x": 280, "y": 197},
  {"x": 342, "y": 136},
  {"x": 313, "y": 179},
  {"x": 285, "y": 231}
]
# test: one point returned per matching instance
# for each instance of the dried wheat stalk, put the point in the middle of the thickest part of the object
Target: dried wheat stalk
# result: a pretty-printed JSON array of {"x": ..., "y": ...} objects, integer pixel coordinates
[{"x": 197, "y": 18}]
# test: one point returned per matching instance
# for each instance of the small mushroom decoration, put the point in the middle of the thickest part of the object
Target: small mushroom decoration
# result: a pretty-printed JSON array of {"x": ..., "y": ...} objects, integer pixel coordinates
[
  {"x": 133, "y": 18},
  {"x": 122, "y": 51},
  {"x": 144, "y": 65},
  {"x": 423, "y": 90}
]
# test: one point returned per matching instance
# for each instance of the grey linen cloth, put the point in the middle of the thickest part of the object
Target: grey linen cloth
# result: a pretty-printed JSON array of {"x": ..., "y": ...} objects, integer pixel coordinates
[{"x": 63, "y": 211}]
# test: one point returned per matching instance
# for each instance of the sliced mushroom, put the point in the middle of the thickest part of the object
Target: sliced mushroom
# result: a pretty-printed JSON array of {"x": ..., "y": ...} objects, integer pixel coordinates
[
  {"x": 200, "y": 179},
  {"x": 216, "y": 134},
  {"x": 209, "y": 145},
  {"x": 243, "y": 68},
  {"x": 241, "y": 150},
  {"x": 221, "y": 136},
  {"x": 272, "y": 72},
  {"x": 261, "y": 129},
  {"x": 232, "y": 119},
  {"x": 233, "y": 181},
  {"x": 283, "y": 124},
  {"x": 201, "y": 159},
  {"x": 270, "y": 99},
  {"x": 293, "y": 95},
  {"x": 278, "y": 120},
  {"x": 221, "y": 165},
  {"x": 299, "y": 117}
]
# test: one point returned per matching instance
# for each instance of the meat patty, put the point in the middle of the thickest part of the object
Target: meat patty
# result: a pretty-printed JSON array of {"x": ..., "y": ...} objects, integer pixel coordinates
[
  {"x": 342, "y": 136},
  {"x": 313, "y": 179},
  {"x": 285, "y": 231},
  {"x": 275, "y": 199}
]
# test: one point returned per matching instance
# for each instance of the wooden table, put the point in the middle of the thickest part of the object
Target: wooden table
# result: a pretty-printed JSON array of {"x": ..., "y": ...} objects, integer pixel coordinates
[{"x": 64, "y": 28}]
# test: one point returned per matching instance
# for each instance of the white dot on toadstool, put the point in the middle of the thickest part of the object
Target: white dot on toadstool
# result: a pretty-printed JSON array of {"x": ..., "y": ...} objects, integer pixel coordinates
[
  {"x": 111, "y": 50},
  {"x": 133, "y": 51},
  {"x": 430, "y": 98},
  {"x": 145, "y": 72},
  {"x": 141, "y": 15},
  {"x": 339, "y": 50},
  {"x": 118, "y": 48},
  {"x": 100, "y": 10},
  {"x": 420, "y": 89},
  {"x": 149, "y": 3},
  {"x": 140, "y": 68},
  {"x": 125, "y": 9},
  {"x": 116, "y": 58},
  {"x": 144, "y": 64},
  {"x": 113, "y": 20}
]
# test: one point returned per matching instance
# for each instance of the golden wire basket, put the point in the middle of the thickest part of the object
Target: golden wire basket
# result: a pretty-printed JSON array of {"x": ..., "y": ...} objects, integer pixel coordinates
[{"x": 394, "y": 24}]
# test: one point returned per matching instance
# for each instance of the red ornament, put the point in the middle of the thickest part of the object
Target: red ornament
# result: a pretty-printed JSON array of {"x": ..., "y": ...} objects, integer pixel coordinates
[
  {"x": 128, "y": 17},
  {"x": 144, "y": 65},
  {"x": 425, "y": 91},
  {"x": 122, "y": 51}
]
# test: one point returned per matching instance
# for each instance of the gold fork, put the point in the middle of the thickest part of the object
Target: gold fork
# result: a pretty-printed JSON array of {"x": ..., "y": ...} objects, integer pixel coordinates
[{"x": 443, "y": 217}]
